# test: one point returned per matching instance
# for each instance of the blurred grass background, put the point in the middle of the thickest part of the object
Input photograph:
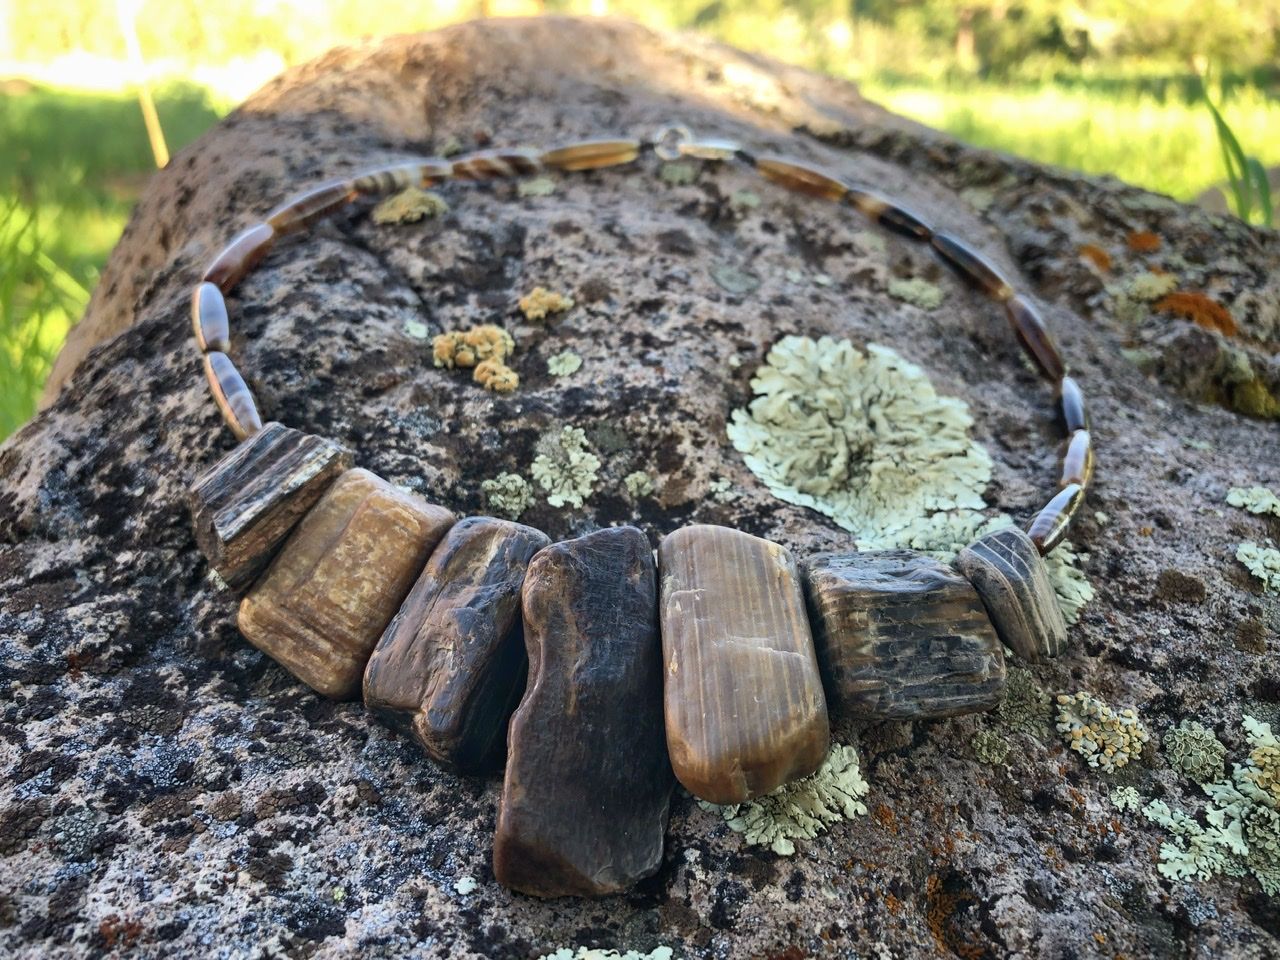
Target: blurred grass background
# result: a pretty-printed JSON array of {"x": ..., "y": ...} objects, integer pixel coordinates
[{"x": 1104, "y": 86}]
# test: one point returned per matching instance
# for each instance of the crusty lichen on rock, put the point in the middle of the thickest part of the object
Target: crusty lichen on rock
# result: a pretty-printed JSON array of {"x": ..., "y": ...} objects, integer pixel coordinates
[
  {"x": 1025, "y": 707},
  {"x": 408, "y": 206},
  {"x": 539, "y": 302},
  {"x": 565, "y": 468},
  {"x": 638, "y": 483},
  {"x": 1106, "y": 738},
  {"x": 916, "y": 291},
  {"x": 1263, "y": 563},
  {"x": 1254, "y": 499},
  {"x": 1195, "y": 751},
  {"x": 564, "y": 363},
  {"x": 508, "y": 494},
  {"x": 593, "y": 953},
  {"x": 804, "y": 808}
]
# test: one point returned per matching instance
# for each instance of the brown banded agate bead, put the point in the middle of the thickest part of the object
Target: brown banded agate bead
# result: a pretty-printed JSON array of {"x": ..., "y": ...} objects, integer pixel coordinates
[
  {"x": 1035, "y": 339},
  {"x": 1071, "y": 404},
  {"x": 1077, "y": 462},
  {"x": 231, "y": 394},
  {"x": 308, "y": 207},
  {"x": 240, "y": 256},
  {"x": 801, "y": 177},
  {"x": 450, "y": 668},
  {"x": 890, "y": 216},
  {"x": 587, "y": 786},
  {"x": 901, "y": 636},
  {"x": 972, "y": 266},
  {"x": 591, "y": 154},
  {"x": 209, "y": 320},
  {"x": 709, "y": 149},
  {"x": 245, "y": 505},
  {"x": 339, "y": 579},
  {"x": 1050, "y": 524},
  {"x": 492, "y": 164},
  {"x": 745, "y": 709},
  {"x": 398, "y": 176},
  {"x": 1010, "y": 576}
]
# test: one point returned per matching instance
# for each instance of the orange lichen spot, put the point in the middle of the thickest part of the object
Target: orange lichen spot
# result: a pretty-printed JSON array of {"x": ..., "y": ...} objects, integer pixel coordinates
[
  {"x": 1200, "y": 309},
  {"x": 1143, "y": 241},
  {"x": 493, "y": 374},
  {"x": 540, "y": 302},
  {"x": 466, "y": 348},
  {"x": 886, "y": 818},
  {"x": 892, "y": 904},
  {"x": 946, "y": 903},
  {"x": 1097, "y": 256}
]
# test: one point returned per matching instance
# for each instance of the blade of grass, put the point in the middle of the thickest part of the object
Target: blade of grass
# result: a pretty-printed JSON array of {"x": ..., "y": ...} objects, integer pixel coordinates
[{"x": 1262, "y": 185}]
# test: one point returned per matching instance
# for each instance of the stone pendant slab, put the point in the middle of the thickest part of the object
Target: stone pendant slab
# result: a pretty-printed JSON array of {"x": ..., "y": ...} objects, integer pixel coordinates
[
  {"x": 339, "y": 579},
  {"x": 588, "y": 783},
  {"x": 450, "y": 668},
  {"x": 901, "y": 636},
  {"x": 745, "y": 709},
  {"x": 246, "y": 504},
  {"x": 1011, "y": 578}
]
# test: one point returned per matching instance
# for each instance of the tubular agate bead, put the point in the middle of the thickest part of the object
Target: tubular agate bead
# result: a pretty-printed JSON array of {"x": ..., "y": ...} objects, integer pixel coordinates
[
  {"x": 209, "y": 320},
  {"x": 232, "y": 395},
  {"x": 591, "y": 154},
  {"x": 240, "y": 256},
  {"x": 309, "y": 206},
  {"x": 801, "y": 178},
  {"x": 1077, "y": 462},
  {"x": 394, "y": 178},
  {"x": 1071, "y": 402},
  {"x": 491, "y": 164},
  {"x": 890, "y": 216},
  {"x": 1050, "y": 525},
  {"x": 972, "y": 266},
  {"x": 1035, "y": 338},
  {"x": 710, "y": 149}
]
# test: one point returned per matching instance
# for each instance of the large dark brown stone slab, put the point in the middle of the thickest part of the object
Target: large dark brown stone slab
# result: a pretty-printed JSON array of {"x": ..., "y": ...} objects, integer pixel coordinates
[
  {"x": 744, "y": 703},
  {"x": 245, "y": 505},
  {"x": 588, "y": 782},
  {"x": 450, "y": 668},
  {"x": 1010, "y": 576},
  {"x": 901, "y": 636}
]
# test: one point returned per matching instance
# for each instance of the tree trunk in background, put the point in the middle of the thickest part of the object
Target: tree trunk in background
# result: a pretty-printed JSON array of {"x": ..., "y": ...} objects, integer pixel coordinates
[{"x": 165, "y": 787}]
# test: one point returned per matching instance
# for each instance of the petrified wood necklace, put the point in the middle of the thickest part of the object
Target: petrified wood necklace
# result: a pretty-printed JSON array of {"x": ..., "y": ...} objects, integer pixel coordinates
[{"x": 487, "y": 643}]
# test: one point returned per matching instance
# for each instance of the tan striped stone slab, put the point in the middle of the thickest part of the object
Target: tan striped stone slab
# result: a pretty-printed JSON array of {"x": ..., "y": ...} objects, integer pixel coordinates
[
  {"x": 1010, "y": 576},
  {"x": 745, "y": 709}
]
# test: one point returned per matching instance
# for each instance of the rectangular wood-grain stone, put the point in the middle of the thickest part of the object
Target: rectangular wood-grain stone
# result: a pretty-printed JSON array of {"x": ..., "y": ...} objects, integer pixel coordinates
[
  {"x": 1010, "y": 576},
  {"x": 339, "y": 579},
  {"x": 245, "y": 505},
  {"x": 745, "y": 709},
  {"x": 901, "y": 636},
  {"x": 587, "y": 786},
  {"x": 450, "y": 668}
]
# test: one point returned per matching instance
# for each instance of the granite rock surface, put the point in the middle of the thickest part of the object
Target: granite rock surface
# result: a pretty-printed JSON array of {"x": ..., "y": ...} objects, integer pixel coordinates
[{"x": 167, "y": 790}]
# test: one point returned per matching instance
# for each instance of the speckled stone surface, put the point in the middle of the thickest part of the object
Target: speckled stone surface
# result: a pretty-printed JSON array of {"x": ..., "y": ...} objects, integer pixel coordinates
[{"x": 164, "y": 787}]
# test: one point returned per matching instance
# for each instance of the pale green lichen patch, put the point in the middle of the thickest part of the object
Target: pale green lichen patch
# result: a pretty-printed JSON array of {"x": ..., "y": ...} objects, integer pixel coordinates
[
  {"x": 409, "y": 206},
  {"x": 678, "y": 173},
  {"x": 564, "y": 363},
  {"x": 860, "y": 437},
  {"x": 639, "y": 484},
  {"x": 1025, "y": 706},
  {"x": 1242, "y": 834},
  {"x": 864, "y": 439},
  {"x": 1193, "y": 750},
  {"x": 921, "y": 293},
  {"x": 508, "y": 495},
  {"x": 743, "y": 201},
  {"x": 1133, "y": 297},
  {"x": 1106, "y": 738},
  {"x": 466, "y": 885},
  {"x": 565, "y": 469},
  {"x": 1263, "y": 563},
  {"x": 1126, "y": 798},
  {"x": 802, "y": 809},
  {"x": 536, "y": 187},
  {"x": 990, "y": 747},
  {"x": 870, "y": 242},
  {"x": 587, "y": 953},
  {"x": 1254, "y": 499},
  {"x": 415, "y": 329}
]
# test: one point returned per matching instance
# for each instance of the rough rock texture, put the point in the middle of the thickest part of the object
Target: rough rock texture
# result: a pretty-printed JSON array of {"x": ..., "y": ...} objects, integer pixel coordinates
[{"x": 165, "y": 787}]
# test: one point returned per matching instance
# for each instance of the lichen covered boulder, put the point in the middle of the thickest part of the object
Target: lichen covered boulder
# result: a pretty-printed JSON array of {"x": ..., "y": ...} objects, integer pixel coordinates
[{"x": 167, "y": 789}]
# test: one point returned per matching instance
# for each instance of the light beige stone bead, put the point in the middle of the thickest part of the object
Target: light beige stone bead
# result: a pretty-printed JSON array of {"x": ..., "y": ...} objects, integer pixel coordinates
[
  {"x": 745, "y": 710},
  {"x": 330, "y": 593}
]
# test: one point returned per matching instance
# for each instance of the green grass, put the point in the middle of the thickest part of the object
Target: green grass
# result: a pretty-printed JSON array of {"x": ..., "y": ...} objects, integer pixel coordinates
[
  {"x": 70, "y": 170},
  {"x": 72, "y": 166}
]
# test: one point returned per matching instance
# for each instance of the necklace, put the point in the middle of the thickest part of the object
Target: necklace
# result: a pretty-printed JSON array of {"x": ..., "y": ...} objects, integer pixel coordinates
[{"x": 595, "y": 674}]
